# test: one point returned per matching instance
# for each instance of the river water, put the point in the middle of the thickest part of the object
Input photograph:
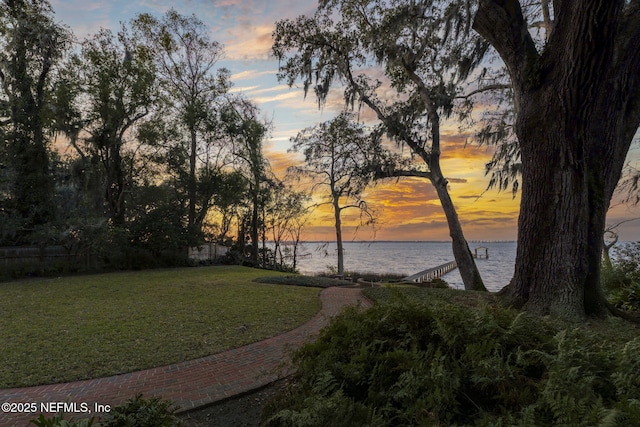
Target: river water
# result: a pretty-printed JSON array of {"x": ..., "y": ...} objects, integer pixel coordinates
[{"x": 408, "y": 258}]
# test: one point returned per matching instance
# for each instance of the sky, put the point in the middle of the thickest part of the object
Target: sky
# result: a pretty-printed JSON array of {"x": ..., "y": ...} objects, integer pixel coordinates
[{"x": 407, "y": 209}]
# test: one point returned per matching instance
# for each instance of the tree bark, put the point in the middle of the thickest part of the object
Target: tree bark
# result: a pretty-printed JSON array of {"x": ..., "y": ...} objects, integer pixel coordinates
[
  {"x": 577, "y": 112},
  {"x": 464, "y": 258},
  {"x": 193, "y": 185},
  {"x": 254, "y": 225},
  {"x": 338, "y": 224}
]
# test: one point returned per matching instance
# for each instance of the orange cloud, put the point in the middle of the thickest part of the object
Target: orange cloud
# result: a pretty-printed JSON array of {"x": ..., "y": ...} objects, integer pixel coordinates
[
  {"x": 280, "y": 161},
  {"x": 249, "y": 42},
  {"x": 409, "y": 208}
]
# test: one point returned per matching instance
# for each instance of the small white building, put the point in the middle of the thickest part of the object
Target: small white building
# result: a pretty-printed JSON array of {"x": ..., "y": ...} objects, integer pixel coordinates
[{"x": 208, "y": 251}]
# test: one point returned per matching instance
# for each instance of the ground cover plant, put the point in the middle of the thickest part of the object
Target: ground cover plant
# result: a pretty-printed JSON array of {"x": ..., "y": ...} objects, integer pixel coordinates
[
  {"x": 135, "y": 412},
  {"x": 299, "y": 280},
  {"x": 425, "y": 357},
  {"x": 64, "y": 329}
]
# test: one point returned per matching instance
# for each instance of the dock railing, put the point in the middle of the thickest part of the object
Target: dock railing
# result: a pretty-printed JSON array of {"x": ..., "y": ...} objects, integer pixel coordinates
[{"x": 431, "y": 273}]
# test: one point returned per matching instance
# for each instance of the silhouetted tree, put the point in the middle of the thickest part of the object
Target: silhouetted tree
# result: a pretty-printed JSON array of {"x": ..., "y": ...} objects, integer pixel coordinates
[
  {"x": 31, "y": 45},
  {"x": 116, "y": 91},
  {"x": 336, "y": 156},
  {"x": 186, "y": 60}
]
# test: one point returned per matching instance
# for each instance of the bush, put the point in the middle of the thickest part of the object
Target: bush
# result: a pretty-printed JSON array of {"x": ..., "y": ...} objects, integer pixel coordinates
[
  {"x": 410, "y": 364},
  {"x": 59, "y": 421},
  {"x": 140, "y": 412},
  {"x": 136, "y": 412},
  {"x": 434, "y": 283},
  {"x": 621, "y": 282},
  {"x": 366, "y": 276}
]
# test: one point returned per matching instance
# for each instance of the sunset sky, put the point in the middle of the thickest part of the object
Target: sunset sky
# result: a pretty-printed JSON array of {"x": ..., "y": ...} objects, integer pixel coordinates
[{"x": 409, "y": 209}]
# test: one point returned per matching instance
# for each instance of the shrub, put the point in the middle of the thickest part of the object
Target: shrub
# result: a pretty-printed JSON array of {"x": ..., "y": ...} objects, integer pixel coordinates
[
  {"x": 59, "y": 421},
  {"x": 621, "y": 282},
  {"x": 434, "y": 283},
  {"x": 332, "y": 271},
  {"x": 140, "y": 412},
  {"x": 410, "y": 364}
]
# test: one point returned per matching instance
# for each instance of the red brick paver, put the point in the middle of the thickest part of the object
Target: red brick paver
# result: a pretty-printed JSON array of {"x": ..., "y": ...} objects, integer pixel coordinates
[{"x": 190, "y": 384}]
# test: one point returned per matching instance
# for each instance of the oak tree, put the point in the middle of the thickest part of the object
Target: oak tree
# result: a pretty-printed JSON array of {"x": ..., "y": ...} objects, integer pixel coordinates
[
  {"x": 116, "y": 90},
  {"x": 577, "y": 104},
  {"x": 247, "y": 133},
  {"x": 336, "y": 155},
  {"x": 32, "y": 44}
]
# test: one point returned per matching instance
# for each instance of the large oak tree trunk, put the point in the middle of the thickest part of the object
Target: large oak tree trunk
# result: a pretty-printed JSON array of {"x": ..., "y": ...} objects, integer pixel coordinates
[
  {"x": 562, "y": 214},
  {"x": 576, "y": 117}
]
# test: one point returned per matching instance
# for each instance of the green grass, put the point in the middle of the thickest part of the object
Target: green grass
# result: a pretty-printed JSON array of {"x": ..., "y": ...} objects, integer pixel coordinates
[
  {"x": 65, "y": 329},
  {"x": 298, "y": 280}
]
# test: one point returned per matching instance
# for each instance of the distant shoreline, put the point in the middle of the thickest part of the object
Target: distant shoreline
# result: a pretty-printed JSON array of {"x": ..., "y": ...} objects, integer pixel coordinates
[{"x": 406, "y": 241}]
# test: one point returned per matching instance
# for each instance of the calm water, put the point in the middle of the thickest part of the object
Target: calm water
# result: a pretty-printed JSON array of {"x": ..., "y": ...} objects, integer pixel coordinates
[{"x": 408, "y": 258}]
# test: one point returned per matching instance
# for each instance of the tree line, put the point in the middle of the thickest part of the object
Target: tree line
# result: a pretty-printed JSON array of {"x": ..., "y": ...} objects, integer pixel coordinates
[{"x": 131, "y": 145}]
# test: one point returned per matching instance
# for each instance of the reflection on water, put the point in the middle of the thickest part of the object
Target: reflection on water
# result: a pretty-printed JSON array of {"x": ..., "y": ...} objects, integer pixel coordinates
[{"x": 408, "y": 258}]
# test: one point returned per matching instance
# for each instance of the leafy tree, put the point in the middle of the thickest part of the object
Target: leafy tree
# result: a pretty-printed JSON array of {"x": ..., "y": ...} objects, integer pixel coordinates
[
  {"x": 621, "y": 277},
  {"x": 298, "y": 221},
  {"x": 247, "y": 133},
  {"x": 578, "y": 109},
  {"x": 285, "y": 217},
  {"x": 156, "y": 223},
  {"x": 336, "y": 155},
  {"x": 229, "y": 200},
  {"x": 31, "y": 45},
  {"x": 186, "y": 60},
  {"x": 406, "y": 61},
  {"x": 116, "y": 91}
]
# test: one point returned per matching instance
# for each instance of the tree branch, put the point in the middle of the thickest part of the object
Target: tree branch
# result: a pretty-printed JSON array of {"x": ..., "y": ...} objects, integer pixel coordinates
[
  {"x": 382, "y": 174},
  {"x": 483, "y": 89},
  {"x": 629, "y": 45},
  {"x": 502, "y": 24},
  {"x": 546, "y": 16}
]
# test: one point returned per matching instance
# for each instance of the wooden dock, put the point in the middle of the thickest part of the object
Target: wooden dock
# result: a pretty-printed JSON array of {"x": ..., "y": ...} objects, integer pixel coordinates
[{"x": 431, "y": 273}]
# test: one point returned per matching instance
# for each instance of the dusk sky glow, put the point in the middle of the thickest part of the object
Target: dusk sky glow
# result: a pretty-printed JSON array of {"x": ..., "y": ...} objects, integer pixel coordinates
[{"x": 409, "y": 208}]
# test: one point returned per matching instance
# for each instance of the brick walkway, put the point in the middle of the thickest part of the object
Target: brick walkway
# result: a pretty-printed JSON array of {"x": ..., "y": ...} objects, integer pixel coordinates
[{"x": 189, "y": 384}]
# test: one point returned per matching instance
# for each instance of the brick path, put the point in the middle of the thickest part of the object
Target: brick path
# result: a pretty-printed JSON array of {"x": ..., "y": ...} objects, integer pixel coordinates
[{"x": 190, "y": 384}]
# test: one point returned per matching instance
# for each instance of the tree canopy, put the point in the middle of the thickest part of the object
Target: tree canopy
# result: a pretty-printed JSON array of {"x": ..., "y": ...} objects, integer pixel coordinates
[
  {"x": 337, "y": 155},
  {"x": 31, "y": 47}
]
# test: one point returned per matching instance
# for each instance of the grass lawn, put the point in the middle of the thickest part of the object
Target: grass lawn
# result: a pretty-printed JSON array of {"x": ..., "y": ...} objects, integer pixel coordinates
[{"x": 71, "y": 328}]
